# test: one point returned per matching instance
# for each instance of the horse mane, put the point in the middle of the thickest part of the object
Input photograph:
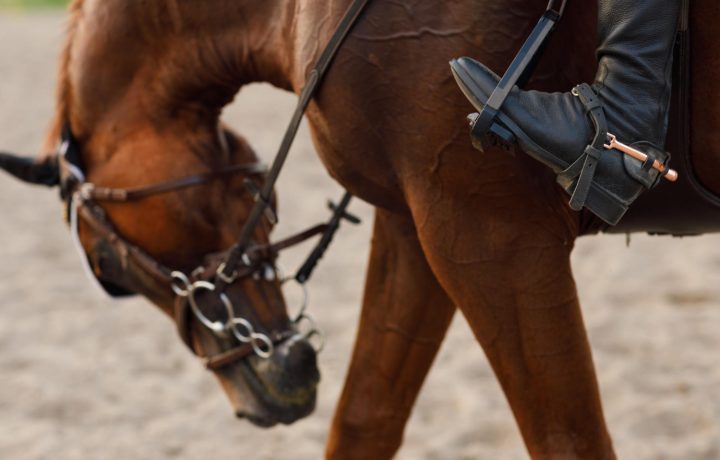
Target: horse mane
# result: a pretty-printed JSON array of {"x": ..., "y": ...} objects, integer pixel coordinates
[
  {"x": 62, "y": 90},
  {"x": 77, "y": 11}
]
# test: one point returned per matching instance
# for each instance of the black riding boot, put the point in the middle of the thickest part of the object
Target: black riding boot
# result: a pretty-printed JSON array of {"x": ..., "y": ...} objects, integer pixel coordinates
[{"x": 631, "y": 94}]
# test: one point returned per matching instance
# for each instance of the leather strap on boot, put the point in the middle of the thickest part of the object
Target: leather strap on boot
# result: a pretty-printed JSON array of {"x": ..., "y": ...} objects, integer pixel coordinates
[{"x": 583, "y": 169}]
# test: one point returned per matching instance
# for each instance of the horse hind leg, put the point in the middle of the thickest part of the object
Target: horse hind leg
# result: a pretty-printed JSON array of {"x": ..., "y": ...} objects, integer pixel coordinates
[
  {"x": 404, "y": 319},
  {"x": 513, "y": 283}
]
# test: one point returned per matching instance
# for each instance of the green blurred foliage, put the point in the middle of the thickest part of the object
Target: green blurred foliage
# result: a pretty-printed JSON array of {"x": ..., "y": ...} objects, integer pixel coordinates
[{"x": 17, "y": 4}]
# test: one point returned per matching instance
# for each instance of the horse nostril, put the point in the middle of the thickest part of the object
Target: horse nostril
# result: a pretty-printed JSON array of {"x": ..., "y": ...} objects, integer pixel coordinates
[{"x": 301, "y": 359}]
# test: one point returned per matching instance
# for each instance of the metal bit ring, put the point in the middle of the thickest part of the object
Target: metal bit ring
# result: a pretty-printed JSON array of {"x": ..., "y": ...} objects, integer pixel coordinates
[
  {"x": 261, "y": 343},
  {"x": 216, "y": 326},
  {"x": 180, "y": 284}
]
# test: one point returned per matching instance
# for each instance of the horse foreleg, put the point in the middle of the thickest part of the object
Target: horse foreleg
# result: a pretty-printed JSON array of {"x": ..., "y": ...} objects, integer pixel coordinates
[
  {"x": 404, "y": 319},
  {"x": 514, "y": 285}
]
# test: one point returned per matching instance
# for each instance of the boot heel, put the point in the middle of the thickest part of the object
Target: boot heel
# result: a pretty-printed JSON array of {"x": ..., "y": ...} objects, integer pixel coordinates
[{"x": 498, "y": 136}]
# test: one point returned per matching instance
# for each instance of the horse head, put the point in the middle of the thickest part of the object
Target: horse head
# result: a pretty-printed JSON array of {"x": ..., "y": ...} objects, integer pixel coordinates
[{"x": 139, "y": 105}]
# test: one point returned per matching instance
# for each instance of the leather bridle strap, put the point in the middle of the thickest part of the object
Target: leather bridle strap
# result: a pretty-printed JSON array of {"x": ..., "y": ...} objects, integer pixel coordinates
[
  {"x": 90, "y": 191},
  {"x": 226, "y": 272},
  {"x": 256, "y": 255},
  {"x": 289, "y": 241},
  {"x": 152, "y": 269},
  {"x": 217, "y": 362},
  {"x": 101, "y": 228}
]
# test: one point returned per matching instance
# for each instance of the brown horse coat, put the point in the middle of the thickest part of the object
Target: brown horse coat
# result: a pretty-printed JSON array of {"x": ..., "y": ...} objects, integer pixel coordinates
[{"x": 488, "y": 233}]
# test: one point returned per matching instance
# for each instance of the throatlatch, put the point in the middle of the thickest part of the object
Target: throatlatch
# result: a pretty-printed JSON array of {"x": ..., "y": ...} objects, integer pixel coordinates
[{"x": 572, "y": 132}]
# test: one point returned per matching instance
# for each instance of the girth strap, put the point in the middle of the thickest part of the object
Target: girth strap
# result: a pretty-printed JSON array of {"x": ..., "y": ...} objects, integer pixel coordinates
[{"x": 583, "y": 169}]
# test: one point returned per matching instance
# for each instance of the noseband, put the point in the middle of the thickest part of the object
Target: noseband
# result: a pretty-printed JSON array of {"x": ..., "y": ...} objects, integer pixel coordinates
[{"x": 243, "y": 260}]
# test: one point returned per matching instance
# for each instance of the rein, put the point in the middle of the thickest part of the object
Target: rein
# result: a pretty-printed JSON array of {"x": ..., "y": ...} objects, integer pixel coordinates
[
  {"x": 243, "y": 259},
  {"x": 226, "y": 273}
]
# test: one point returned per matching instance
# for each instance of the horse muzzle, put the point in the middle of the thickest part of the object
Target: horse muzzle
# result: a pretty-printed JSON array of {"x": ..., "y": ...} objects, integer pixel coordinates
[{"x": 279, "y": 389}]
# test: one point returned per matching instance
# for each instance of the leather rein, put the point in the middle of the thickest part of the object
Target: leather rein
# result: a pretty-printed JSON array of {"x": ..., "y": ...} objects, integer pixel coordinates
[{"x": 244, "y": 259}]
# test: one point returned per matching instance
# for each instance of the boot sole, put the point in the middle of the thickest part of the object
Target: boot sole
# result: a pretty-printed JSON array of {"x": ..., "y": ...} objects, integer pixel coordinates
[{"x": 599, "y": 200}]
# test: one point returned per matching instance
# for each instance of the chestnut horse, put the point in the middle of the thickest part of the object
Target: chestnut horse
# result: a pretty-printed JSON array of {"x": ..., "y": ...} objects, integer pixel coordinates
[{"x": 490, "y": 234}]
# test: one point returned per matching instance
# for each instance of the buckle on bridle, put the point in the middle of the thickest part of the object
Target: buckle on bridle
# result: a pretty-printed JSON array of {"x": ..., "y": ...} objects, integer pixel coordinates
[
  {"x": 86, "y": 190},
  {"x": 232, "y": 277},
  {"x": 227, "y": 279},
  {"x": 255, "y": 191}
]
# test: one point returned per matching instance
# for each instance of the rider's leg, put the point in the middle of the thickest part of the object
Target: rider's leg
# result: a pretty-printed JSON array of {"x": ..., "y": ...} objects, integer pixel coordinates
[
  {"x": 633, "y": 83},
  {"x": 404, "y": 319}
]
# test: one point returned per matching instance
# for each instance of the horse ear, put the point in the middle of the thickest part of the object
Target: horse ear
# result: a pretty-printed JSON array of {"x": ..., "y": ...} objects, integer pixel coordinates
[{"x": 43, "y": 172}]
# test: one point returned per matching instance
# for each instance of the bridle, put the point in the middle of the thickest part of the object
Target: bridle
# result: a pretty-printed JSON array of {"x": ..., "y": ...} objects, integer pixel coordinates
[
  {"x": 83, "y": 201},
  {"x": 243, "y": 260}
]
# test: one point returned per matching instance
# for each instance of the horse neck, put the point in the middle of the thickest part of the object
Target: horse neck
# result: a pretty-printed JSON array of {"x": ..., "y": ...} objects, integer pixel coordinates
[{"x": 167, "y": 61}]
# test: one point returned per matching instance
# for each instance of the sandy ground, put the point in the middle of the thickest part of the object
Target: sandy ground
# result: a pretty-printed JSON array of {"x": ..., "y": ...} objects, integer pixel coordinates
[{"x": 83, "y": 377}]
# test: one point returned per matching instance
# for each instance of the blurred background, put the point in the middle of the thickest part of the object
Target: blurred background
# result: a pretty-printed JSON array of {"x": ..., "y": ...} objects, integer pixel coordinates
[
  {"x": 84, "y": 377},
  {"x": 33, "y": 4}
]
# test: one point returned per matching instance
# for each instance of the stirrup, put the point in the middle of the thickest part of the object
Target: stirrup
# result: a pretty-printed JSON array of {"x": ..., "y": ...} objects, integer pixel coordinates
[{"x": 484, "y": 122}]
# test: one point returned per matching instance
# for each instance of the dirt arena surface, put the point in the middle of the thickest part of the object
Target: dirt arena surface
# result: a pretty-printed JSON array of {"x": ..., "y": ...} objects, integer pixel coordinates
[{"x": 83, "y": 377}]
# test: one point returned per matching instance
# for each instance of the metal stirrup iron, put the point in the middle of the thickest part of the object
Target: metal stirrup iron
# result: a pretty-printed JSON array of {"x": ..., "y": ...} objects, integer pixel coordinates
[{"x": 517, "y": 75}]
